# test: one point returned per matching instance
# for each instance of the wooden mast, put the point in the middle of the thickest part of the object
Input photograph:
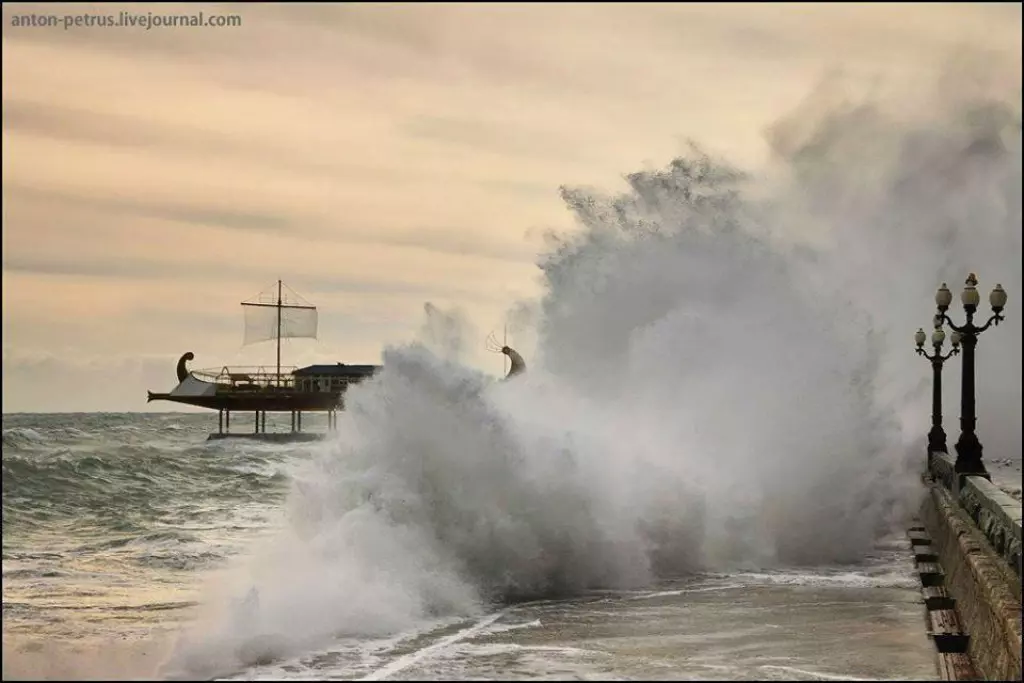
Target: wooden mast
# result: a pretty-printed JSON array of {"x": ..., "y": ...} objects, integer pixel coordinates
[
  {"x": 280, "y": 305},
  {"x": 278, "y": 333}
]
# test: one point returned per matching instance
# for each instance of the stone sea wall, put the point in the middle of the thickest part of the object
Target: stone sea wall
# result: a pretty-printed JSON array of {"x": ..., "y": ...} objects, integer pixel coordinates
[{"x": 976, "y": 535}]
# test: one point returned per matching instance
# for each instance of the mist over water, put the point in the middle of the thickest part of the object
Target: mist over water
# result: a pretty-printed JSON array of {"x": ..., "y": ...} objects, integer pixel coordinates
[{"x": 723, "y": 380}]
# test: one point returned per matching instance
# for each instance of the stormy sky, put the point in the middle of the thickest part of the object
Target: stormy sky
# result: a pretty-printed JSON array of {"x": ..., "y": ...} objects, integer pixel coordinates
[{"x": 374, "y": 157}]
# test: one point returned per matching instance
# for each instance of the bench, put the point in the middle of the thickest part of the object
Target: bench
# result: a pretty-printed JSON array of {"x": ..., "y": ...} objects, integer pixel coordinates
[
  {"x": 956, "y": 666},
  {"x": 936, "y": 598},
  {"x": 919, "y": 537},
  {"x": 930, "y": 573},
  {"x": 945, "y": 630}
]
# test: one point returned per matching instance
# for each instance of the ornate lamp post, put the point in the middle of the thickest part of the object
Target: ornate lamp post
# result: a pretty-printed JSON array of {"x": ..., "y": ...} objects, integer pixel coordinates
[
  {"x": 937, "y": 436},
  {"x": 968, "y": 448}
]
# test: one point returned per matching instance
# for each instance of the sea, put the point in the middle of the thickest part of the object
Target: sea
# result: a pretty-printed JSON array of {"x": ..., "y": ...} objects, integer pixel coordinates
[{"x": 115, "y": 526}]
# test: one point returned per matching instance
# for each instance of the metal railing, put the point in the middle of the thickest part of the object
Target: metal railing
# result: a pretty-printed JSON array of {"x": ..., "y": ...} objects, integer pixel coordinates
[
  {"x": 266, "y": 378},
  {"x": 254, "y": 378}
]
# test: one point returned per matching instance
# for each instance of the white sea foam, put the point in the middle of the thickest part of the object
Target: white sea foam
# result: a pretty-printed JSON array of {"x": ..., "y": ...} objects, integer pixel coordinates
[{"x": 844, "y": 579}]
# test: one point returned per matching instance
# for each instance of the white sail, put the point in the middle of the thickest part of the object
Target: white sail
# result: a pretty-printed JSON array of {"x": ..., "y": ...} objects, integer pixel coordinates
[{"x": 261, "y": 322}]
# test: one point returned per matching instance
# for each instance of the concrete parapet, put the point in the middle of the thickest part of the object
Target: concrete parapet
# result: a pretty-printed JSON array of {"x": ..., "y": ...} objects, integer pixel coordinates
[
  {"x": 987, "y": 592},
  {"x": 997, "y": 515}
]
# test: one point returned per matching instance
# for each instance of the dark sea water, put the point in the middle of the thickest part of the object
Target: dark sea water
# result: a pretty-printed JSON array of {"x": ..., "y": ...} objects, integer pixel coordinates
[
  {"x": 109, "y": 520},
  {"x": 113, "y": 524}
]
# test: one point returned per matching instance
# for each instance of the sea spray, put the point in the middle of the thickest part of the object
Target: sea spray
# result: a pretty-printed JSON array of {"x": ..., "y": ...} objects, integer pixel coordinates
[
  {"x": 706, "y": 337},
  {"x": 723, "y": 379},
  {"x": 901, "y": 195}
]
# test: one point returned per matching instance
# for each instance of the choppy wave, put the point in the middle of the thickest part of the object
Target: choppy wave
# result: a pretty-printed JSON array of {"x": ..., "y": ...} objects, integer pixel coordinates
[
  {"x": 21, "y": 437},
  {"x": 122, "y": 476},
  {"x": 106, "y": 517},
  {"x": 131, "y": 497},
  {"x": 133, "y": 483}
]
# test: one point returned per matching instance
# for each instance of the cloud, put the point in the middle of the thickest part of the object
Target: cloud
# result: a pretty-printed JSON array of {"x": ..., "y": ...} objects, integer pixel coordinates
[
  {"x": 164, "y": 239},
  {"x": 181, "y": 211},
  {"x": 79, "y": 125}
]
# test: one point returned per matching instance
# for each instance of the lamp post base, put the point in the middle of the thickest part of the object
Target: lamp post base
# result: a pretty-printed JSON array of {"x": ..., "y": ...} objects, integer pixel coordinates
[
  {"x": 968, "y": 456},
  {"x": 936, "y": 442}
]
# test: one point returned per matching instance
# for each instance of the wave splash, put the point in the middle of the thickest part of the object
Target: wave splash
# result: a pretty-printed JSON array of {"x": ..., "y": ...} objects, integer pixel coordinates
[{"x": 703, "y": 396}]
